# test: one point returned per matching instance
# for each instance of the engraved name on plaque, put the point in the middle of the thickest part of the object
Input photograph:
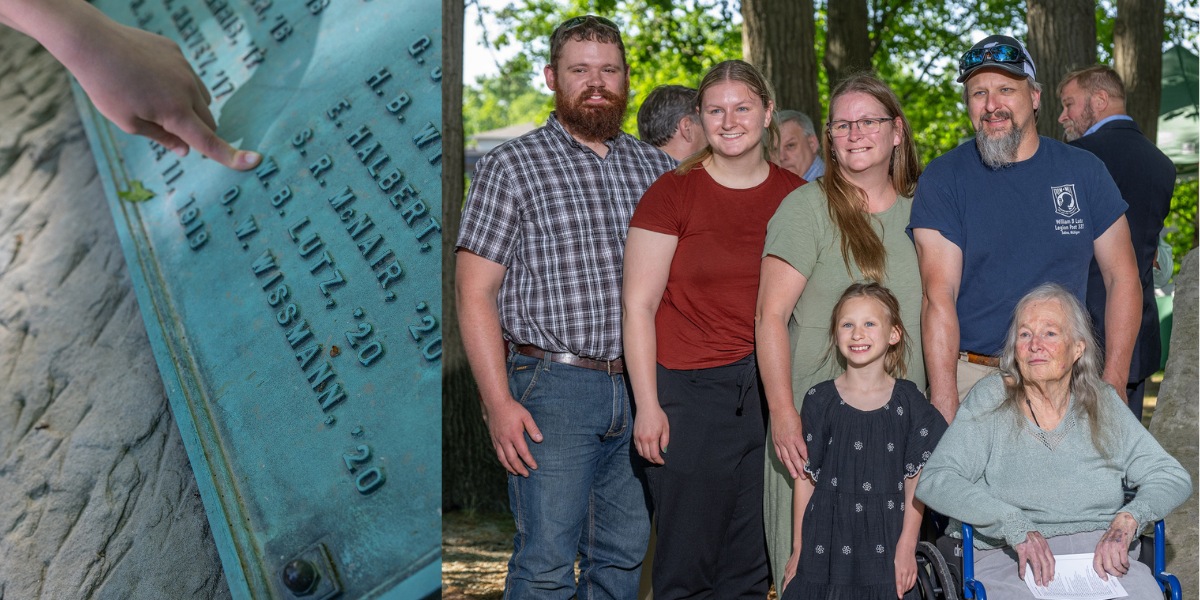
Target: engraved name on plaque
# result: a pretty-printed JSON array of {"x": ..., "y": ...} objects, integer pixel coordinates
[{"x": 294, "y": 310}]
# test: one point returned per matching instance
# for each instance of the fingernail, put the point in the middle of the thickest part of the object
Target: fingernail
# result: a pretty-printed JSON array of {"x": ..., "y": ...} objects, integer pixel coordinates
[{"x": 246, "y": 159}]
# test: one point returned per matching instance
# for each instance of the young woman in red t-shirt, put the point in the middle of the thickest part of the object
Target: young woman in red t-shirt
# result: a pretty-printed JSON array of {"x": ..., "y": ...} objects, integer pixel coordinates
[{"x": 690, "y": 284}]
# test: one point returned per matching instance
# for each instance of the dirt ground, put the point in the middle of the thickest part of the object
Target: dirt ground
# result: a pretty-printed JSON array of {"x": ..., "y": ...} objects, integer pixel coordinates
[{"x": 475, "y": 549}]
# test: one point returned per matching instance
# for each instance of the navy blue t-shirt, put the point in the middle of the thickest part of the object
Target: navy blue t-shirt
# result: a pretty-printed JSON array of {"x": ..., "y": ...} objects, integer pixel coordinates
[{"x": 1018, "y": 227}]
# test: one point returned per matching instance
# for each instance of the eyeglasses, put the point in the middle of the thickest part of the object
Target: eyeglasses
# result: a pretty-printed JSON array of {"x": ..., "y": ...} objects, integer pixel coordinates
[
  {"x": 574, "y": 22},
  {"x": 1000, "y": 53},
  {"x": 841, "y": 129}
]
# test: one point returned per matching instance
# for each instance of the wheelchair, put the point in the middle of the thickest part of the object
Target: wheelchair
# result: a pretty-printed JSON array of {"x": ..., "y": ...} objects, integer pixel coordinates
[{"x": 940, "y": 579}]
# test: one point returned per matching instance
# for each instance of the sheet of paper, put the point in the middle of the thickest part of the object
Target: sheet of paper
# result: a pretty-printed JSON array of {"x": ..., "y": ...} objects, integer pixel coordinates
[{"x": 1074, "y": 579}]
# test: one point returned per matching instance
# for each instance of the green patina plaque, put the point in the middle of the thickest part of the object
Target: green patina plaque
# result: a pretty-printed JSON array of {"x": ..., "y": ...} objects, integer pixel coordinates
[{"x": 294, "y": 310}]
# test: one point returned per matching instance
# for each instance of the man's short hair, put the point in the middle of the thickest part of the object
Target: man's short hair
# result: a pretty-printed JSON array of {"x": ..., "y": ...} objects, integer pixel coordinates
[
  {"x": 1095, "y": 78},
  {"x": 794, "y": 116},
  {"x": 660, "y": 113},
  {"x": 585, "y": 28}
]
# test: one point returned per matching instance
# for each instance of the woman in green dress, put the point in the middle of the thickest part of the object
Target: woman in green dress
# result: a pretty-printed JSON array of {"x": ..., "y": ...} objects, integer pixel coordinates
[{"x": 845, "y": 227}]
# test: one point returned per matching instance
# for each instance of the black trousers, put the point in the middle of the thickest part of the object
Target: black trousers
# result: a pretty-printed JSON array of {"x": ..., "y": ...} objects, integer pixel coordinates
[{"x": 708, "y": 497}]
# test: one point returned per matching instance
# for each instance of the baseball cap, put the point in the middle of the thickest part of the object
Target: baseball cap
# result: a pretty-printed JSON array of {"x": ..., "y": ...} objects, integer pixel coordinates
[{"x": 998, "y": 51}]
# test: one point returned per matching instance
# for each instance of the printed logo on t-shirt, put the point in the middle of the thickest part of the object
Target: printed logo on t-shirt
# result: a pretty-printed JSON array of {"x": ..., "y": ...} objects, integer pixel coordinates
[
  {"x": 1065, "y": 202},
  {"x": 1067, "y": 205}
]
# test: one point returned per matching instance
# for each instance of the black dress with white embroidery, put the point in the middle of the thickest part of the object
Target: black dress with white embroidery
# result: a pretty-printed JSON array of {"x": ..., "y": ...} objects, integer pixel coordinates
[{"x": 859, "y": 460}]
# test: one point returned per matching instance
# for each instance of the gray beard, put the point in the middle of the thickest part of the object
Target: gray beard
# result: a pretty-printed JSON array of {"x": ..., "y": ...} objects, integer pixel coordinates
[{"x": 1000, "y": 152}]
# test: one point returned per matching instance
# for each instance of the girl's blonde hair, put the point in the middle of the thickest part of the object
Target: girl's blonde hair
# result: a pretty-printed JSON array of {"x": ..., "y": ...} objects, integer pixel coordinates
[{"x": 895, "y": 361}]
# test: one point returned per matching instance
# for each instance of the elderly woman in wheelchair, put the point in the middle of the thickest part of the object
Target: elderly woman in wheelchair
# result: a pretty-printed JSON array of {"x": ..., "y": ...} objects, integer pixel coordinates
[{"x": 1039, "y": 457}]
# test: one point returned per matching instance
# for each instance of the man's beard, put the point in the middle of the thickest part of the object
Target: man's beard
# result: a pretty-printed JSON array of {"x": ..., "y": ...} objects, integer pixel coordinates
[
  {"x": 1001, "y": 150},
  {"x": 1075, "y": 131},
  {"x": 592, "y": 123}
]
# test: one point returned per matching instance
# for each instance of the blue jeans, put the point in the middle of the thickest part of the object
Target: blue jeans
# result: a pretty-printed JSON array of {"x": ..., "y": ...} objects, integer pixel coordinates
[{"x": 586, "y": 497}]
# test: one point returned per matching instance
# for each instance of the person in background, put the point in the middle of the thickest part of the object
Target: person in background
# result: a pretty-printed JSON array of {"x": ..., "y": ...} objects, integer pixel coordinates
[
  {"x": 138, "y": 80},
  {"x": 799, "y": 146},
  {"x": 668, "y": 121},
  {"x": 539, "y": 303},
  {"x": 996, "y": 218},
  {"x": 1094, "y": 118},
  {"x": 1041, "y": 454},
  {"x": 847, "y": 228},
  {"x": 691, "y": 275}
]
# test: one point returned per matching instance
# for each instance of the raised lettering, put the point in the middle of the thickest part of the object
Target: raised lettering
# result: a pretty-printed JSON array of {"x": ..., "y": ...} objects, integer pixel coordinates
[
  {"x": 336, "y": 281},
  {"x": 281, "y": 197},
  {"x": 427, "y": 135},
  {"x": 357, "y": 228},
  {"x": 246, "y": 228},
  {"x": 344, "y": 197},
  {"x": 305, "y": 356},
  {"x": 392, "y": 273},
  {"x": 264, "y": 263},
  {"x": 358, "y": 136},
  {"x": 323, "y": 373},
  {"x": 298, "y": 334}
]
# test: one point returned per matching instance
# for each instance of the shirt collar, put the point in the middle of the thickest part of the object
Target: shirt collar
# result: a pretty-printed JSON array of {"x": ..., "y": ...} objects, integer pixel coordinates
[{"x": 1101, "y": 122}]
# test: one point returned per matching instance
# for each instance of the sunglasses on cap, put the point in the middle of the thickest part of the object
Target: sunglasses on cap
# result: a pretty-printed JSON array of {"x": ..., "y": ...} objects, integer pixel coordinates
[
  {"x": 574, "y": 22},
  {"x": 1000, "y": 53}
]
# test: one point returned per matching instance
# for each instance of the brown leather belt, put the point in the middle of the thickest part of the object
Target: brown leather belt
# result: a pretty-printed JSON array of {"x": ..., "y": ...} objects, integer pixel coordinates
[
  {"x": 612, "y": 367},
  {"x": 980, "y": 359}
]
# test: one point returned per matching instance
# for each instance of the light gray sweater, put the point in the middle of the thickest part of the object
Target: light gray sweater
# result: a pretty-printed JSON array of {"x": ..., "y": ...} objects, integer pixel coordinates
[{"x": 1008, "y": 479}]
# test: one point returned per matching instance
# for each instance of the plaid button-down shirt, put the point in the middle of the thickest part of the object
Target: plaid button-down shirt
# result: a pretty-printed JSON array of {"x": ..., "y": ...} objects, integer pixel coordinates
[{"x": 556, "y": 215}]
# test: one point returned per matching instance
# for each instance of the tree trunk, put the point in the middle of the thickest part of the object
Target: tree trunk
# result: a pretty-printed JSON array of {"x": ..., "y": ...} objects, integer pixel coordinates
[
  {"x": 1062, "y": 37},
  {"x": 847, "y": 41},
  {"x": 471, "y": 476},
  {"x": 778, "y": 37},
  {"x": 1137, "y": 58}
]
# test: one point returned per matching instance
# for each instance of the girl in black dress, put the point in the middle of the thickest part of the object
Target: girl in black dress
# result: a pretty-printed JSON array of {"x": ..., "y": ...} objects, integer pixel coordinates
[{"x": 869, "y": 432}]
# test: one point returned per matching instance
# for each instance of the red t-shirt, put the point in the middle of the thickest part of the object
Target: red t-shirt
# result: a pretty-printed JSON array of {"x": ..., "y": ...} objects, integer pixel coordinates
[{"x": 706, "y": 317}]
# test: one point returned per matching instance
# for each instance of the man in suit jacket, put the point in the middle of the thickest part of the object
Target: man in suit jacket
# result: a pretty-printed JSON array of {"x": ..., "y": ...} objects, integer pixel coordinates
[{"x": 1094, "y": 119}]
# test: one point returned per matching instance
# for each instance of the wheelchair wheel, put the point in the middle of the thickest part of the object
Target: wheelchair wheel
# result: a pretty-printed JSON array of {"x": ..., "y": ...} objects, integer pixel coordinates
[{"x": 934, "y": 580}]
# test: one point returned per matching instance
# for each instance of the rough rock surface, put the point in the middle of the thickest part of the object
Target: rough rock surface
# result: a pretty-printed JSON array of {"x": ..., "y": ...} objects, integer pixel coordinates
[
  {"x": 97, "y": 498},
  {"x": 1175, "y": 422}
]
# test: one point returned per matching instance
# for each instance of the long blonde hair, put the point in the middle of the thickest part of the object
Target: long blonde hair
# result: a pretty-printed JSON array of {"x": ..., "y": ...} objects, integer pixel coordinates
[
  {"x": 741, "y": 72},
  {"x": 848, "y": 202},
  {"x": 895, "y": 361}
]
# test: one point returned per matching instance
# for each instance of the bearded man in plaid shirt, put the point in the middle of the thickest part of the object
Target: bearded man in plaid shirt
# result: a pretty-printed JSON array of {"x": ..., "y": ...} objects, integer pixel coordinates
[{"x": 538, "y": 285}]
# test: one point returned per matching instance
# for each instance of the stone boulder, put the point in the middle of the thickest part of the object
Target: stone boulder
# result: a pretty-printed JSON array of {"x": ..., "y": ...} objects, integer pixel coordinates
[
  {"x": 1175, "y": 422},
  {"x": 97, "y": 498}
]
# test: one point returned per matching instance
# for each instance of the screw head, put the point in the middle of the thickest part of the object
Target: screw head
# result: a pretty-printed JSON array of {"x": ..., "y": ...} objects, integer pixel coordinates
[{"x": 300, "y": 576}]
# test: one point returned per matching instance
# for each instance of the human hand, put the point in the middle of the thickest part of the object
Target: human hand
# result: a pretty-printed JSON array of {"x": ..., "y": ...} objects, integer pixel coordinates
[
  {"x": 947, "y": 404},
  {"x": 507, "y": 423},
  {"x": 789, "y": 570},
  {"x": 143, "y": 84},
  {"x": 1112, "y": 552},
  {"x": 651, "y": 433},
  {"x": 906, "y": 568},
  {"x": 787, "y": 433},
  {"x": 1035, "y": 552}
]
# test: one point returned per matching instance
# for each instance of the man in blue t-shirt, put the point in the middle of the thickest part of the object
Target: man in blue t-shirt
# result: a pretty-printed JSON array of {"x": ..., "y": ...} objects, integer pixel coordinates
[{"x": 994, "y": 219}]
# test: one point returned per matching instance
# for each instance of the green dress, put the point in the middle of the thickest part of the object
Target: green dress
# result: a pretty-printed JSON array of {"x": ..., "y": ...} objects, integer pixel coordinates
[{"x": 802, "y": 235}]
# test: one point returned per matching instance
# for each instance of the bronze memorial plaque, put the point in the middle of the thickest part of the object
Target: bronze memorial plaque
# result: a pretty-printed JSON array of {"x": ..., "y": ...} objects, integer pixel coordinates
[{"x": 294, "y": 310}]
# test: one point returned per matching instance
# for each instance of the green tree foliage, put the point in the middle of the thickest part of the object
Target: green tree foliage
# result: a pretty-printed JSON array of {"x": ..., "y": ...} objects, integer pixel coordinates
[
  {"x": 666, "y": 43},
  {"x": 1181, "y": 222},
  {"x": 915, "y": 45},
  {"x": 507, "y": 99}
]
